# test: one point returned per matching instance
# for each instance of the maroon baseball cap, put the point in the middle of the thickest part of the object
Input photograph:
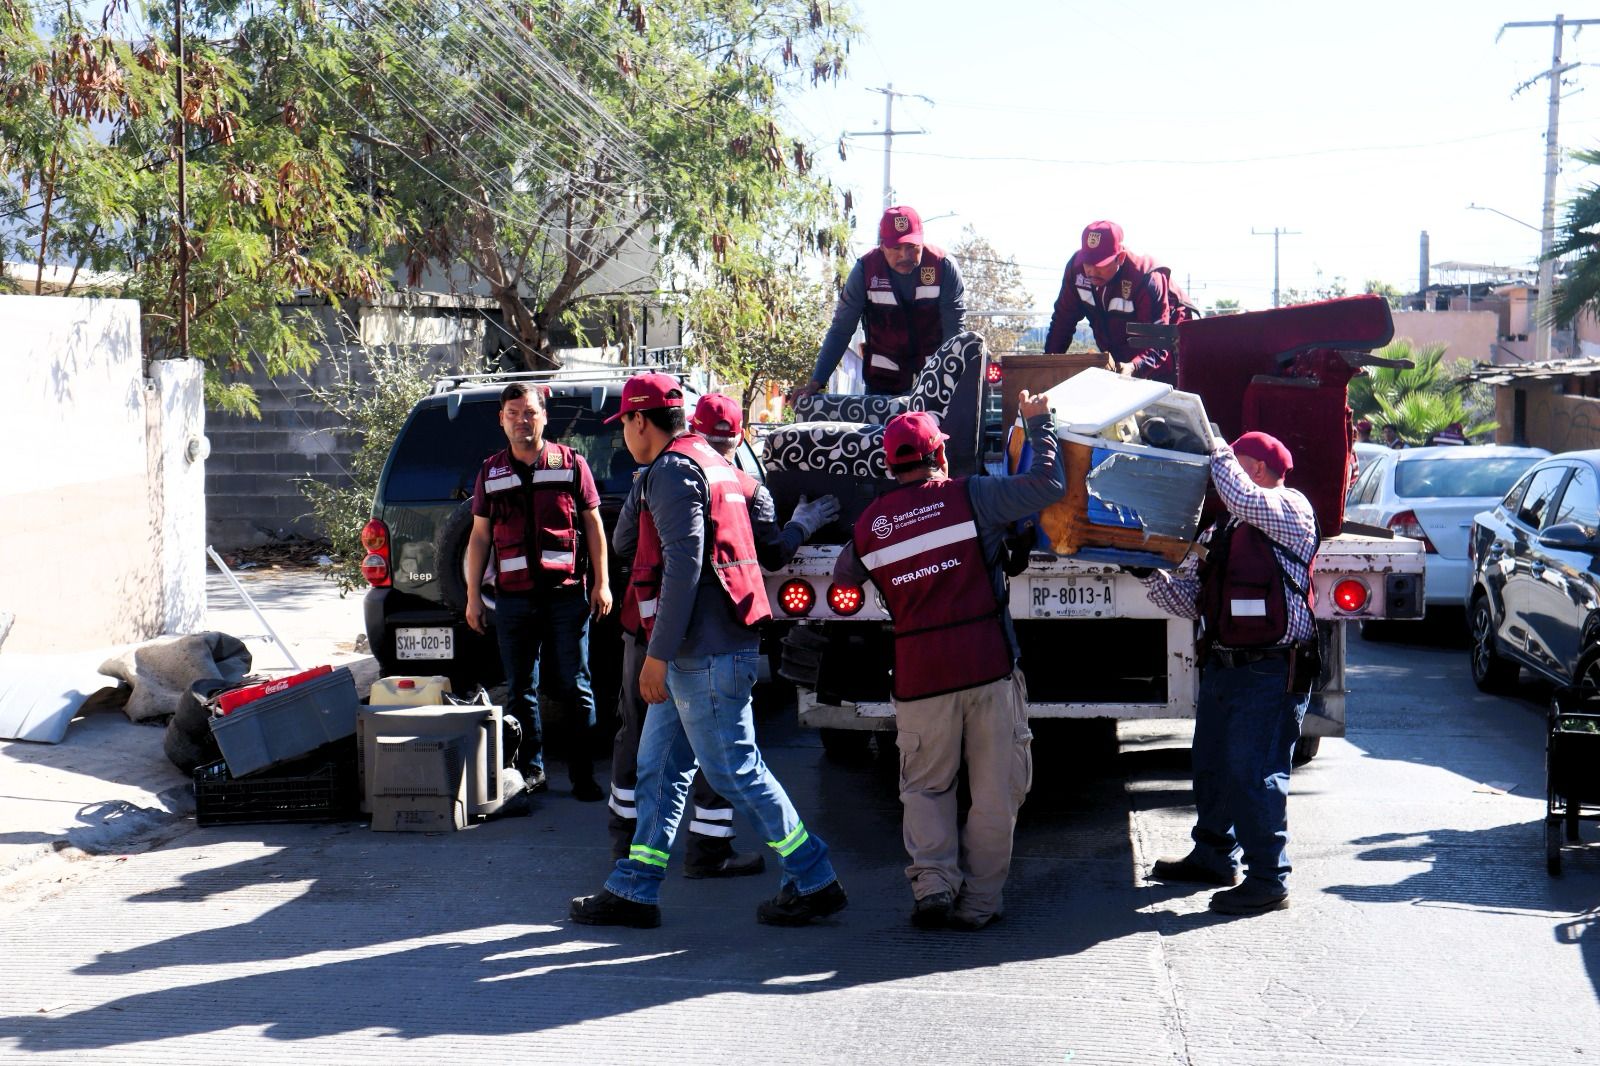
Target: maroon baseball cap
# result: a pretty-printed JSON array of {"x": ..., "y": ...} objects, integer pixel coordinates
[
  {"x": 1266, "y": 448},
  {"x": 644, "y": 392},
  {"x": 717, "y": 418},
  {"x": 1102, "y": 241},
  {"x": 900, "y": 225},
  {"x": 912, "y": 436}
]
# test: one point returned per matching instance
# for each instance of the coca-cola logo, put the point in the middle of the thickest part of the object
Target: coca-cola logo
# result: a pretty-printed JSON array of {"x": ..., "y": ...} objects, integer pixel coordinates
[{"x": 882, "y": 527}]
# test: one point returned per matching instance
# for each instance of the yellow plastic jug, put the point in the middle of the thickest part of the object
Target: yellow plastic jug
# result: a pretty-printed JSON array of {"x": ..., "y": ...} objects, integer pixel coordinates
[{"x": 409, "y": 691}]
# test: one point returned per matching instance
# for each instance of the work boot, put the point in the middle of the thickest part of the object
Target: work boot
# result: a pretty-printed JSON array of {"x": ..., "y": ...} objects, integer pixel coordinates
[
  {"x": 789, "y": 907},
  {"x": 736, "y": 864},
  {"x": 1194, "y": 867},
  {"x": 1255, "y": 896},
  {"x": 967, "y": 922},
  {"x": 607, "y": 908},
  {"x": 932, "y": 911},
  {"x": 585, "y": 789},
  {"x": 535, "y": 779}
]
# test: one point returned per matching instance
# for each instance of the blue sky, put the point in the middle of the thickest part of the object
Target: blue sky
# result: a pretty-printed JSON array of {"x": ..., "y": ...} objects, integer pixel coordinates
[{"x": 1359, "y": 125}]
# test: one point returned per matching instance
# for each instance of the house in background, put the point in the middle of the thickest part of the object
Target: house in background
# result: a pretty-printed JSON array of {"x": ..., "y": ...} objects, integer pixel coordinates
[{"x": 1554, "y": 405}]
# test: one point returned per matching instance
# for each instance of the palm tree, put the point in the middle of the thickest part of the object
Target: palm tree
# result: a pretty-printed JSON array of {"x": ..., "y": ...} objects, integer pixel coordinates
[
  {"x": 1419, "y": 401},
  {"x": 1579, "y": 238}
]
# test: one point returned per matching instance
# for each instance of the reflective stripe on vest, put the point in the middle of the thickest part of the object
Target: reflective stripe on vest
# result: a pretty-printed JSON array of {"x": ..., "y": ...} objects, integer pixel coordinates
[
  {"x": 732, "y": 547},
  {"x": 922, "y": 547},
  {"x": 1119, "y": 304}
]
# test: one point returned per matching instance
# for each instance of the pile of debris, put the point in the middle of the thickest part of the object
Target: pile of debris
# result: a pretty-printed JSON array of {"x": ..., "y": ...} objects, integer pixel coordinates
[{"x": 293, "y": 552}]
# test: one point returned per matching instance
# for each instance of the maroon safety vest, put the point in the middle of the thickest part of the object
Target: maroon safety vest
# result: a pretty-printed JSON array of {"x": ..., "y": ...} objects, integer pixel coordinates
[
  {"x": 921, "y": 545},
  {"x": 900, "y": 338},
  {"x": 1244, "y": 600},
  {"x": 731, "y": 550},
  {"x": 1109, "y": 311},
  {"x": 534, "y": 523}
]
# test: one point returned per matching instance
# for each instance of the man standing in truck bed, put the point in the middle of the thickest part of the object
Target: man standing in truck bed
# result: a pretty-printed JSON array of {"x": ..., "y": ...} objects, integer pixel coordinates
[
  {"x": 933, "y": 548},
  {"x": 1111, "y": 287},
  {"x": 910, "y": 298}
]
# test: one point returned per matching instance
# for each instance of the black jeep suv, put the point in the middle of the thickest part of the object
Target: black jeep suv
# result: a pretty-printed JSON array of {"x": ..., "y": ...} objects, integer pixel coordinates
[{"x": 421, "y": 516}]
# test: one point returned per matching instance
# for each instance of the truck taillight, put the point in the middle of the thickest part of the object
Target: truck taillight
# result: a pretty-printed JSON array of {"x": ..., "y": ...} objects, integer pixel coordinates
[
  {"x": 796, "y": 597},
  {"x": 845, "y": 599},
  {"x": 375, "y": 542},
  {"x": 1351, "y": 594},
  {"x": 993, "y": 373},
  {"x": 1405, "y": 524}
]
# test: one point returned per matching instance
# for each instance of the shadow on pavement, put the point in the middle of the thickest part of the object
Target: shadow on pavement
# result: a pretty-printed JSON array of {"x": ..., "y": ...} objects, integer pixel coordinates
[{"x": 368, "y": 922}]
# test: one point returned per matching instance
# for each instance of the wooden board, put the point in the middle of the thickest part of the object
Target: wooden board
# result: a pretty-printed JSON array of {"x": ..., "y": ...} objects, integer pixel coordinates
[{"x": 1039, "y": 373}]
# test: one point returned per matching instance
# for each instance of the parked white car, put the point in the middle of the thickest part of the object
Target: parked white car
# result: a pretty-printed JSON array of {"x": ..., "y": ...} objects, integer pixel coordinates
[{"x": 1431, "y": 494}]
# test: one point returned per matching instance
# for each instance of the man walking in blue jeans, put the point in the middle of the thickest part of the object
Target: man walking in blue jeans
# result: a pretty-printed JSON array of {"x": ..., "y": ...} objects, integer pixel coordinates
[
  {"x": 1252, "y": 595},
  {"x": 700, "y": 594},
  {"x": 535, "y": 503}
]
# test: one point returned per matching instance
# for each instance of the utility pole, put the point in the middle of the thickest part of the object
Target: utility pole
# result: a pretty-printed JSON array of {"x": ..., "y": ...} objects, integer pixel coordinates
[
  {"x": 183, "y": 194},
  {"x": 1547, "y": 235},
  {"x": 889, "y": 133},
  {"x": 1275, "y": 232}
]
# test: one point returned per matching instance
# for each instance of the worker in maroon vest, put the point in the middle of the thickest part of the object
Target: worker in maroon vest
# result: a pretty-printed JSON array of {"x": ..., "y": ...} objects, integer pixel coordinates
[
  {"x": 909, "y": 298},
  {"x": 536, "y": 505},
  {"x": 1111, "y": 287},
  {"x": 933, "y": 548},
  {"x": 710, "y": 851},
  {"x": 1252, "y": 595},
  {"x": 700, "y": 595}
]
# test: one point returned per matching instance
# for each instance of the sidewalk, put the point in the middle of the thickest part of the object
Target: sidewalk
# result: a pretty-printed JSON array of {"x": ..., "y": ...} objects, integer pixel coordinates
[{"x": 109, "y": 782}]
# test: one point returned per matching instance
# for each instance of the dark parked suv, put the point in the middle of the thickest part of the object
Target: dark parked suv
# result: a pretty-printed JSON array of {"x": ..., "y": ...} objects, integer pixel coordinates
[
  {"x": 1534, "y": 597},
  {"x": 421, "y": 516}
]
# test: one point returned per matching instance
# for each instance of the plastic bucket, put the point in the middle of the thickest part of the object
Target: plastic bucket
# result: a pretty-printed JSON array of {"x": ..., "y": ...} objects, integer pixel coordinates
[{"x": 409, "y": 691}]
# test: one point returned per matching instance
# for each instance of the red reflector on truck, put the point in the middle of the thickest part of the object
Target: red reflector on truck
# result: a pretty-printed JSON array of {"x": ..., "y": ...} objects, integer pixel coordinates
[
  {"x": 1350, "y": 595},
  {"x": 845, "y": 599},
  {"x": 796, "y": 597},
  {"x": 993, "y": 373}
]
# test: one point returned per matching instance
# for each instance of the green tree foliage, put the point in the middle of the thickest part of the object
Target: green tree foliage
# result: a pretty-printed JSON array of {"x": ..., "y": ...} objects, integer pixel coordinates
[
  {"x": 374, "y": 396},
  {"x": 543, "y": 148},
  {"x": 993, "y": 283},
  {"x": 1224, "y": 306},
  {"x": 1321, "y": 291},
  {"x": 756, "y": 322},
  {"x": 1422, "y": 400},
  {"x": 1391, "y": 293},
  {"x": 88, "y": 175},
  {"x": 1578, "y": 240}
]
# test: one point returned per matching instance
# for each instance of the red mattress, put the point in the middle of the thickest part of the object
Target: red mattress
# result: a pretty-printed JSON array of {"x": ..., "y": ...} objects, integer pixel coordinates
[{"x": 1220, "y": 358}]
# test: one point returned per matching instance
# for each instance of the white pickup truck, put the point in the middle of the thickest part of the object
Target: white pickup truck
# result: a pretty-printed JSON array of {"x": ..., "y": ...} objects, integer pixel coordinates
[{"x": 1093, "y": 645}]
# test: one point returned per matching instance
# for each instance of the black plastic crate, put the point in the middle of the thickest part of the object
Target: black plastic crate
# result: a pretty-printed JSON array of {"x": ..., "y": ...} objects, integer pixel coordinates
[
  {"x": 319, "y": 788},
  {"x": 1575, "y": 753}
]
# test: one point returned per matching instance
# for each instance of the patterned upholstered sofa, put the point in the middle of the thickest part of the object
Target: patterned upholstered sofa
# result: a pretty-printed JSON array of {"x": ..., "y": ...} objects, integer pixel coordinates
[{"x": 843, "y": 434}]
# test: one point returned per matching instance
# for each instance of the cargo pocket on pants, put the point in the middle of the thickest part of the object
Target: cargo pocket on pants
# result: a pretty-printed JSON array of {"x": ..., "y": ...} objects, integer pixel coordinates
[
  {"x": 907, "y": 743},
  {"x": 1022, "y": 748}
]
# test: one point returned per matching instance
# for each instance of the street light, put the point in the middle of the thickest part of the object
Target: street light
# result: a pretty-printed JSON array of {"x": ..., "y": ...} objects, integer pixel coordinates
[
  {"x": 1502, "y": 214},
  {"x": 1541, "y": 327}
]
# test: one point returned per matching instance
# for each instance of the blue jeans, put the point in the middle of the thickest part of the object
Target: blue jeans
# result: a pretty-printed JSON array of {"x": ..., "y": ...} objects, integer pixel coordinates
[
  {"x": 1245, "y": 726},
  {"x": 708, "y": 718},
  {"x": 550, "y": 629}
]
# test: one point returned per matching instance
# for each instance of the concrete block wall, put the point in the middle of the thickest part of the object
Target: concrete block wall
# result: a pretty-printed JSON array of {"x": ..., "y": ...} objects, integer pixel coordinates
[
  {"x": 257, "y": 466},
  {"x": 101, "y": 540}
]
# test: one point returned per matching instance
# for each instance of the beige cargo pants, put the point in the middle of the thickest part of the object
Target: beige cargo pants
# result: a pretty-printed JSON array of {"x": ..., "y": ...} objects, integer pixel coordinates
[{"x": 989, "y": 726}]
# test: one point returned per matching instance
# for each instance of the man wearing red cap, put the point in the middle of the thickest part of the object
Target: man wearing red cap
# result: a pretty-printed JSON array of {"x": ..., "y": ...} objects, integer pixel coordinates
[
  {"x": 1112, "y": 287},
  {"x": 1251, "y": 593},
  {"x": 710, "y": 852},
  {"x": 535, "y": 504},
  {"x": 909, "y": 298},
  {"x": 699, "y": 595},
  {"x": 933, "y": 548}
]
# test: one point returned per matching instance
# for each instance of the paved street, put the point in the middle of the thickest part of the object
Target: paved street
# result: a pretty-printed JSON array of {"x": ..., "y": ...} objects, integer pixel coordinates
[{"x": 1424, "y": 929}]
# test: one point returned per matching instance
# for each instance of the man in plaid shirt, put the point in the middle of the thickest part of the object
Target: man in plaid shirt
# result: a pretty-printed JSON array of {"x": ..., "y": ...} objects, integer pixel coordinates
[{"x": 1250, "y": 705}]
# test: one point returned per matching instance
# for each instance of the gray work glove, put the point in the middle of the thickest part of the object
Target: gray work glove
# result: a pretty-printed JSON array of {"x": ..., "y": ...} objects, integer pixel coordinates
[{"x": 812, "y": 515}]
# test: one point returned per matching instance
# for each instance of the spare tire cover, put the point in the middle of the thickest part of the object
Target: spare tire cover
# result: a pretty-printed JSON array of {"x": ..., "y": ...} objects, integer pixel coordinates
[{"x": 450, "y": 559}]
